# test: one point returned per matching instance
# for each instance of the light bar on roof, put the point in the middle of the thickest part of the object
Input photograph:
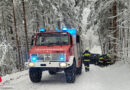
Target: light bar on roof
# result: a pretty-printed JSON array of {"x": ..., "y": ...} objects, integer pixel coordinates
[
  {"x": 57, "y": 29},
  {"x": 64, "y": 28},
  {"x": 42, "y": 29},
  {"x": 72, "y": 31}
]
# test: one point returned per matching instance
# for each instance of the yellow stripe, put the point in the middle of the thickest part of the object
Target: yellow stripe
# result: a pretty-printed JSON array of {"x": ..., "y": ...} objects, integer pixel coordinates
[
  {"x": 86, "y": 59},
  {"x": 101, "y": 61},
  {"x": 86, "y": 54},
  {"x": 101, "y": 58}
]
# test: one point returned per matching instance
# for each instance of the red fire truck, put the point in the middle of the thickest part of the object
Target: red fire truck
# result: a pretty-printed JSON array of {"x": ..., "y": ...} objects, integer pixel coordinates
[{"x": 55, "y": 51}]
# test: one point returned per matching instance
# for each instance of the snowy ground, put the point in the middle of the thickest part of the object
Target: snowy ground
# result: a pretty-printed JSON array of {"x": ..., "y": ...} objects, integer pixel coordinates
[{"x": 114, "y": 77}]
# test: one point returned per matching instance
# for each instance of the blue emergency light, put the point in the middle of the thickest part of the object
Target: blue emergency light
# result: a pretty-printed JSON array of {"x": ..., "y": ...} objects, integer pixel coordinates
[
  {"x": 42, "y": 29},
  {"x": 57, "y": 29},
  {"x": 64, "y": 29},
  {"x": 62, "y": 57},
  {"x": 72, "y": 31},
  {"x": 34, "y": 57}
]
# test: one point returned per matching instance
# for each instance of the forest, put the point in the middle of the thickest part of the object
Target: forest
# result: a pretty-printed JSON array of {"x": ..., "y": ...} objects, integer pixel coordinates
[{"x": 20, "y": 19}]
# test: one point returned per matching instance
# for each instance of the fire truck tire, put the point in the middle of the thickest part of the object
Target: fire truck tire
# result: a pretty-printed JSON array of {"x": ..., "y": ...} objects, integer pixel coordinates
[
  {"x": 52, "y": 72},
  {"x": 79, "y": 70},
  {"x": 35, "y": 75},
  {"x": 71, "y": 73}
]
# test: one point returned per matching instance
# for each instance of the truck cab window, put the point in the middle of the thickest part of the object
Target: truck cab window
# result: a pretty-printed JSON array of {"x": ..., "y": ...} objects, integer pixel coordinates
[{"x": 52, "y": 39}]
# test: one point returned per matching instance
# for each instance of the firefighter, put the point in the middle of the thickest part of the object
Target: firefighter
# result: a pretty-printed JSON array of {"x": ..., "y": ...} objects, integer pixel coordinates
[
  {"x": 86, "y": 59},
  {"x": 101, "y": 61},
  {"x": 97, "y": 59},
  {"x": 94, "y": 58},
  {"x": 104, "y": 60},
  {"x": 109, "y": 61}
]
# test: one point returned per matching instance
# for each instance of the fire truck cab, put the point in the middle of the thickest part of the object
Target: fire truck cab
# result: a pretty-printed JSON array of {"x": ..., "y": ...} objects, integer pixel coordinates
[{"x": 55, "y": 51}]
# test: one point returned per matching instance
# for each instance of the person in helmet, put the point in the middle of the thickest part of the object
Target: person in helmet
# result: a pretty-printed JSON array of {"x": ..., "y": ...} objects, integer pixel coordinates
[
  {"x": 105, "y": 60},
  {"x": 102, "y": 60},
  {"x": 108, "y": 59},
  {"x": 86, "y": 59},
  {"x": 94, "y": 58}
]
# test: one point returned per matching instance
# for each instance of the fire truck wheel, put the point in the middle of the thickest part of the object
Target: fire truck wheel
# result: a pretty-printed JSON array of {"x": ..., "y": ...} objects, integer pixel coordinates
[
  {"x": 71, "y": 73},
  {"x": 35, "y": 75},
  {"x": 52, "y": 72},
  {"x": 79, "y": 70}
]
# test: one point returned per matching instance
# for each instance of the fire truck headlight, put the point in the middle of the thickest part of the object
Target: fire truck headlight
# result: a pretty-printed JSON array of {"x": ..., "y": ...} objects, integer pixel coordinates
[
  {"x": 31, "y": 64},
  {"x": 63, "y": 65}
]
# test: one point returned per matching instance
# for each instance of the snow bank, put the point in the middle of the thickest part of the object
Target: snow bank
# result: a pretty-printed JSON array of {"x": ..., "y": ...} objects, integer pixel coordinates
[
  {"x": 7, "y": 58},
  {"x": 115, "y": 77},
  {"x": 14, "y": 76}
]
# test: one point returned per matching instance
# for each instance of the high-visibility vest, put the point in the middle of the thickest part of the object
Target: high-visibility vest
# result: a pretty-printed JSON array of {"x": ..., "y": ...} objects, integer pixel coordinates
[
  {"x": 87, "y": 60},
  {"x": 86, "y": 54},
  {"x": 101, "y": 61},
  {"x": 101, "y": 58}
]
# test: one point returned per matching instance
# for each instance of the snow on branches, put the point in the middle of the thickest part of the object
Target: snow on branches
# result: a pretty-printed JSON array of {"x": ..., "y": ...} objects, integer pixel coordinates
[{"x": 7, "y": 60}]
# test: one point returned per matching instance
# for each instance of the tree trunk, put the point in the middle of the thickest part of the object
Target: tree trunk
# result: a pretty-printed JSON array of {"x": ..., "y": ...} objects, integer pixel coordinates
[
  {"x": 115, "y": 30},
  {"x": 25, "y": 27},
  {"x": 17, "y": 41},
  {"x": 128, "y": 30}
]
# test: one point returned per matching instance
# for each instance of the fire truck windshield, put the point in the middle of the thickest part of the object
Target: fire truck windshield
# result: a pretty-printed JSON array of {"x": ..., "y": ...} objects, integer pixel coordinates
[{"x": 47, "y": 39}]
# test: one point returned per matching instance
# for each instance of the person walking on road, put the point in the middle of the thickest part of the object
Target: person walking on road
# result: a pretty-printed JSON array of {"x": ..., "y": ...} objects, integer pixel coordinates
[{"x": 86, "y": 59}]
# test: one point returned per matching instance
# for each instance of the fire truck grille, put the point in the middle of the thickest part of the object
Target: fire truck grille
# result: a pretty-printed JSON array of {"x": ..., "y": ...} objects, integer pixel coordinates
[{"x": 54, "y": 57}]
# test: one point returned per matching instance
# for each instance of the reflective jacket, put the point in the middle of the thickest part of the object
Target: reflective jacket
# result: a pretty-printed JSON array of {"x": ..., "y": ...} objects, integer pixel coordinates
[
  {"x": 86, "y": 56},
  {"x": 101, "y": 60}
]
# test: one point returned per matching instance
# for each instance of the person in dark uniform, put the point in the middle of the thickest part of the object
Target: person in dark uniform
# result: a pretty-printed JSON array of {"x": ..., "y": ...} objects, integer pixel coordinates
[
  {"x": 94, "y": 58},
  {"x": 109, "y": 60},
  {"x": 101, "y": 61},
  {"x": 104, "y": 60},
  {"x": 86, "y": 59}
]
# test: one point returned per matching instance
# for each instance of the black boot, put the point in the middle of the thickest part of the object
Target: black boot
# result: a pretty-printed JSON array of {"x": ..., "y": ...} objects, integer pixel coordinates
[{"x": 86, "y": 69}]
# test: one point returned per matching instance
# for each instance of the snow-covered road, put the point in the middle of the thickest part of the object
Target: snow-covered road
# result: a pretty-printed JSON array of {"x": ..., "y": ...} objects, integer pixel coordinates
[{"x": 114, "y": 77}]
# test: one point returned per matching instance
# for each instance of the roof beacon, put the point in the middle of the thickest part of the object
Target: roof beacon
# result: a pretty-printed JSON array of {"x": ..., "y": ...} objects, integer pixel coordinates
[{"x": 42, "y": 29}]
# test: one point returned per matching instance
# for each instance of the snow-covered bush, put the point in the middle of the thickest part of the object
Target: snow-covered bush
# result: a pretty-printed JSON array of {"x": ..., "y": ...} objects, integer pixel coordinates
[{"x": 7, "y": 59}]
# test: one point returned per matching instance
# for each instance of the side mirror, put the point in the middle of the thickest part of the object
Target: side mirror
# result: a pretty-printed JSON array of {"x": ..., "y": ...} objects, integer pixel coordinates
[
  {"x": 71, "y": 42},
  {"x": 78, "y": 39},
  {"x": 32, "y": 40}
]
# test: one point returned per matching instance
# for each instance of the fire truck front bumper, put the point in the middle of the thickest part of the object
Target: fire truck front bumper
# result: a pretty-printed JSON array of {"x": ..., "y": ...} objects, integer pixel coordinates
[{"x": 50, "y": 64}]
